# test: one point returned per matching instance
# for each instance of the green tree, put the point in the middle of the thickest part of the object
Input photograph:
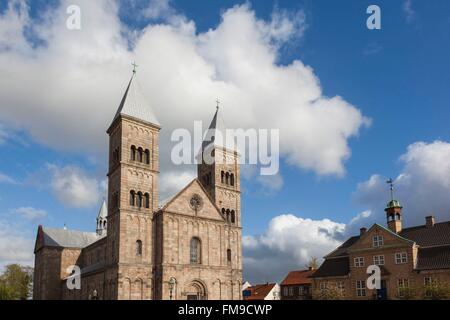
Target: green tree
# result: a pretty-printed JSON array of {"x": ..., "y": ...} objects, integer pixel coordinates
[
  {"x": 5, "y": 292},
  {"x": 15, "y": 282},
  {"x": 329, "y": 293},
  {"x": 437, "y": 290},
  {"x": 408, "y": 292}
]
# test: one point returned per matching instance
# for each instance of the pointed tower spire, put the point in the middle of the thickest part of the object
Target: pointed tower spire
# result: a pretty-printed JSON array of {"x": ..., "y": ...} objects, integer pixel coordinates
[
  {"x": 134, "y": 104},
  {"x": 102, "y": 219},
  {"x": 217, "y": 128}
]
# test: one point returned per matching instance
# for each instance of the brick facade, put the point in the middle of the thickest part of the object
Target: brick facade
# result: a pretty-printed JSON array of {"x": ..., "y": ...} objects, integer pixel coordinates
[{"x": 146, "y": 253}]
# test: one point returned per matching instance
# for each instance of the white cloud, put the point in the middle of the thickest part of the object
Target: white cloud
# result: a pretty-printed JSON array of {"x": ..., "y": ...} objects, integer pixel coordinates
[
  {"x": 4, "y": 178},
  {"x": 158, "y": 9},
  {"x": 31, "y": 213},
  {"x": 182, "y": 72},
  {"x": 408, "y": 10},
  {"x": 14, "y": 247},
  {"x": 172, "y": 182},
  {"x": 3, "y": 134},
  {"x": 422, "y": 186},
  {"x": 271, "y": 183},
  {"x": 288, "y": 244},
  {"x": 73, "y": 187}
]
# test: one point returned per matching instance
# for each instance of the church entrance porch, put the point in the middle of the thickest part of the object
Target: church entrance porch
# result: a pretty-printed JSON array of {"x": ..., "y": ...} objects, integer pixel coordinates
[{"x": 195, "y": 291}]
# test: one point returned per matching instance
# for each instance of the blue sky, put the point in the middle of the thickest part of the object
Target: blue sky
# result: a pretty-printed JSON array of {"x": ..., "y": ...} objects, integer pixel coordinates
[{"x": 398, "y": 77}]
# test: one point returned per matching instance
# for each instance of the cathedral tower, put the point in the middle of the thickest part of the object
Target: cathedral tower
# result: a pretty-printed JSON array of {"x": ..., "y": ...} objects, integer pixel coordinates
[
  {"x": 132, "y": 197},
  {"x": 221, "y": 177}
]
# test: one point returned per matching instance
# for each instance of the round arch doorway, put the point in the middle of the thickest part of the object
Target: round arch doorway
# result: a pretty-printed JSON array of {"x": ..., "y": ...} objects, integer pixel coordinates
[{"x": 196, "y": 290}]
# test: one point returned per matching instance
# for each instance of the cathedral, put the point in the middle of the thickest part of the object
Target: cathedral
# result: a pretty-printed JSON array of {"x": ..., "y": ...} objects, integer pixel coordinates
[{"x": 187, "y": 247}]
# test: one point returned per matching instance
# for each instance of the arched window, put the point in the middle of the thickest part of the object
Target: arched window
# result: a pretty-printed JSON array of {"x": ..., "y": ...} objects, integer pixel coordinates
[
  {"x": 228, "y": 215},
  {"x": 132, "y": 198},
  {"x": 229, "y": 256},
  {"x": 139, "y": 199},
  {"x": 223, "y": 212},
  {"x": 104, "y": 224},
  {"x": 227, "y": 178},
  {"x": 147, "y": 156},
  {"x": 133, "y": 153},
  {"x": 140, "y": 154},
  {"x": 233, "y": 216},
  {"x": 195, "y": 256},
  {"x": 232, "y": 179},
  {"x": 139, "y": 248},
  {"x": 147, "y": 200},
  {"x": 222, "y": 176}
]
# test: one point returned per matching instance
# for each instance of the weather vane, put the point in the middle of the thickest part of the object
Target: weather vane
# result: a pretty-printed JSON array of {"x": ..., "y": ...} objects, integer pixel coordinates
[
  {"x": 134, "y": 66},
  {"x": 391, "y": 187}
]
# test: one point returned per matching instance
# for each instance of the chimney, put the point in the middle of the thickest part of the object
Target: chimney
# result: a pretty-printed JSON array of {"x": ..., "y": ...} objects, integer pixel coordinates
[
  {"x": 362, "y": 231},
  {"x": 430, "y": 221}
]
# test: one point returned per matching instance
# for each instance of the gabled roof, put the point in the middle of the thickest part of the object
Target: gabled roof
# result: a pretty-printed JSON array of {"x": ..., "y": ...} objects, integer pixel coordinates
[
  {"x": 335, "y": 267},
  {"x": 168, "y": 201},
  {"x": 52, "y": 237},
  {"x": 437, "y": 235},
  {"x": 342, "y": 250},
  {"x": 376, "y": 225},
  {"x": 298, "y": 277},
  {"x": 259, "y": 291},
  {"x": 134, "y": 104}
]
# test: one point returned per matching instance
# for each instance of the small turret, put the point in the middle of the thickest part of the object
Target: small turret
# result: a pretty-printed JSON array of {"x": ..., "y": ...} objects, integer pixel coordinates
[
  {"x": 102, "y": 219},
  {"x": 393, "y": 211}
]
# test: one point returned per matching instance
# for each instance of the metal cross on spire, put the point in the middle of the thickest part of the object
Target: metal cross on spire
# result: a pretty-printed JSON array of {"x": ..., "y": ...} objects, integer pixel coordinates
[
  {"x": 134, "y": 66},
  {"x": 218, "y": 102},
  {"x": 391, "y": 187}
]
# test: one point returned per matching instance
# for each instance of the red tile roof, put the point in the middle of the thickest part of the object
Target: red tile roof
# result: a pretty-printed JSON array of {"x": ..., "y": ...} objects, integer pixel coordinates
[
  {"x": 298, "y": 277},
  {"x": 259, "y": 291}
]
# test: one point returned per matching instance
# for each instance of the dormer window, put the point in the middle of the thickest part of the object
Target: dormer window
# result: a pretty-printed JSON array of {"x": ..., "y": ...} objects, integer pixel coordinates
[{"x": 377, "y": 241}]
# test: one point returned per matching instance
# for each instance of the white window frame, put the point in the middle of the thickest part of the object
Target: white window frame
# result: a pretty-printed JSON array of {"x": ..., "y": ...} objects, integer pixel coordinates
[
  {"x": 402, "y": 283},
  {"x": 358, "y": 262},
  {"x": 427, "y": 281},
  {"x": 401, "y": 257},
  {"x": 291, "y": 291},
  {"x": 323, "y": 286},
  {"x": 340, "y": 286},
  {"x": 360, "y": 288},
  {"x": 378, "y": 260},
  {"x": 286, "y": 291},
  {"x": 377, "y": 241}
]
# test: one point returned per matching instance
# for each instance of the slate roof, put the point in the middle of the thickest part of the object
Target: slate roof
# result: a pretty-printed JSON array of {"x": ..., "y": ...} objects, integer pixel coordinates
[
  {"x": 103, "y": 212},
  {"x": 216, "y": 127},
  {"x": 433, "y": 242},
  {"x": 424, "y": 236},
  {"x": 298, "y": 277},
  {"x": 333, "y": 267},
  {"x": 67, "y": 238},
  {"x": 259, "y": 291},
  {"x": 434, "y": 258},
  {"x": 342, "y": 249},
  {"x": 135, "y": 105}
]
